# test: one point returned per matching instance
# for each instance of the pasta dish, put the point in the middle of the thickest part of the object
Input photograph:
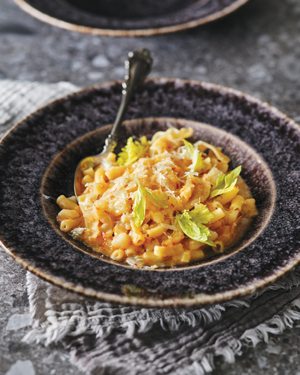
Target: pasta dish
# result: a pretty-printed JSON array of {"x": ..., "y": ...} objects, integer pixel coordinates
[{"x": 160, "y": 203}]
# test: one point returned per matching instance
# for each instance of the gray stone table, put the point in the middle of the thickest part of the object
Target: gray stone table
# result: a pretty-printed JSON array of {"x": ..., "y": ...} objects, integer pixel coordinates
[{"x": 256, "y": 50}]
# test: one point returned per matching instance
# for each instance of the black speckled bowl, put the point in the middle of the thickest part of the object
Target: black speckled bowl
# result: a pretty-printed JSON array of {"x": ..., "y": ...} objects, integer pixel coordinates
[
  {"x": 131, "y": 8},
  {"x": 83, "y": 16},
  {"x": 38, "y": 158}
]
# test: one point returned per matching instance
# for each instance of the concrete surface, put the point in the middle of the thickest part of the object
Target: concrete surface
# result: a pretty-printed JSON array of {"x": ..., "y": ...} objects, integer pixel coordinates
[{"x": 255, "y": 50}]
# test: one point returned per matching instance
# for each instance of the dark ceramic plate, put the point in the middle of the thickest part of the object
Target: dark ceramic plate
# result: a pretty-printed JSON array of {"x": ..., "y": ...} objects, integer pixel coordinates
[
  {"x": 68, "y": 16},
  {"x": 38, "y": 159}
]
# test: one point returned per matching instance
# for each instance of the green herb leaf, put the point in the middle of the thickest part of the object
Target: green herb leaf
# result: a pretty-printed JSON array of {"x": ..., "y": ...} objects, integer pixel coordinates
[
  {"x": 226, "y": 183},
  {"x": 196, "y": 231},
  {"x": 155, "y": 199},
  {"x": 197, "y": 162},
  {"x": 132, "y": 151},
  {"x": 201, "y": 214},
  {"x": 139, "y": 207},
  {"x": 189, "y": 147}
]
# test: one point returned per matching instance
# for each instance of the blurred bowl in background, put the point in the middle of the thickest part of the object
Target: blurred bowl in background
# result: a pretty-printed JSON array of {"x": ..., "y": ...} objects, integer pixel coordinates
[
  {"x": 123, "y": 18},
  {"x": 131, "y": 8}
]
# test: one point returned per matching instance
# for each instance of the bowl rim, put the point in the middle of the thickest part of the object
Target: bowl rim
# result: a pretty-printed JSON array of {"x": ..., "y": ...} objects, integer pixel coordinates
[{"x": 124, "y": 32}]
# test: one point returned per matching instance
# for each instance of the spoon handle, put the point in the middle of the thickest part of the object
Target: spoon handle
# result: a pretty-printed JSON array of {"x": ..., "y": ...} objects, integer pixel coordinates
[{"x": 138, "y": 66}]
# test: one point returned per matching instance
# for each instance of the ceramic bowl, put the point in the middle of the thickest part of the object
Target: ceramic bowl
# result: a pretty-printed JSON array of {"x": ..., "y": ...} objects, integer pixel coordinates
[
  {"x": 37, "y": 162},
  {"x": 113, "y": 18},
  {"x": 131, "y": 8}
]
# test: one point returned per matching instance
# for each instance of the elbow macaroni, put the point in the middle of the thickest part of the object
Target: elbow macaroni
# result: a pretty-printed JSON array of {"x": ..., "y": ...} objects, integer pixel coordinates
[{"x": 104, "y": 219}]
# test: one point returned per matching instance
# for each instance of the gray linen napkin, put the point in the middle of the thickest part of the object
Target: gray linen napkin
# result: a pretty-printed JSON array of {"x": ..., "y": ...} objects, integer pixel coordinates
[{"x": 104, "y": 338}]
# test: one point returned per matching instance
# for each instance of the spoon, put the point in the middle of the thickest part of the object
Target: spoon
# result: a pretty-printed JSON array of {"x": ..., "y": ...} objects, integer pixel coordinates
[{"x": 138, "y": 66}]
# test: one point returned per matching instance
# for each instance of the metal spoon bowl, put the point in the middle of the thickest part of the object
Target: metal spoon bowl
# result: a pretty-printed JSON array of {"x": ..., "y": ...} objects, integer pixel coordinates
[{"x": 138, "y": 67}]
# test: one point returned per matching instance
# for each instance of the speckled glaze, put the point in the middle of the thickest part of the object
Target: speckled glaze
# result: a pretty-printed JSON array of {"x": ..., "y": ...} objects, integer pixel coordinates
[
  {"x": 63, "y": 14},
  {"x": 30, "y": 148}
]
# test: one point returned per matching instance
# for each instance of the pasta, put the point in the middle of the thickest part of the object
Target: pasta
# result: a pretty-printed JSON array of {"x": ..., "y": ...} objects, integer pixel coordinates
[{"x": 160, "y": 203}]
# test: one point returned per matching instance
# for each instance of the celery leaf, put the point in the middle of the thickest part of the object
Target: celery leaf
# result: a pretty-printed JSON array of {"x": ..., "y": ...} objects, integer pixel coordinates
[
  {"x": 132, "y": 151},
  {"x": 201, "y": 214},
  {"x": 155, "y": 199},
  {"x": 225, "y": 183},
  {"x": 139, "y": 207},
  {"x": 196, "y": 156},
  {"x": 192, "y": 229}
]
